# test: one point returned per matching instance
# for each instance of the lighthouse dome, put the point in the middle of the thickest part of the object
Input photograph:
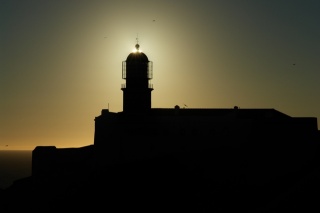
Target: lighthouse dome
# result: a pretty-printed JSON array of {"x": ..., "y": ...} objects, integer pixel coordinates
[{"x": 137, "y": 56}]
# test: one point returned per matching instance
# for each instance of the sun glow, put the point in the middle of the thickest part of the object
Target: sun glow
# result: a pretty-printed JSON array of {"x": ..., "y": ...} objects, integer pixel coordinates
[{"x": 135, "y": 51}]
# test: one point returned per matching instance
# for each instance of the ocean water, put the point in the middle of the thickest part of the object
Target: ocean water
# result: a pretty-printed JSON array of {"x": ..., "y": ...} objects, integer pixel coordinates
[{"x": 14, "y": 165}]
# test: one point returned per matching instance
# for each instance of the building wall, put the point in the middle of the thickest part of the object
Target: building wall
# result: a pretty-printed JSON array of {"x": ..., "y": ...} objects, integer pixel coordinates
[{"x": 122, "y": 137}]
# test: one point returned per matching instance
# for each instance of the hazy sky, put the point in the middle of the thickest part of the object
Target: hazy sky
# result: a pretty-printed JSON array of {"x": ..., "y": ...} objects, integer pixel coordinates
[{"x": 61, "y": 60}]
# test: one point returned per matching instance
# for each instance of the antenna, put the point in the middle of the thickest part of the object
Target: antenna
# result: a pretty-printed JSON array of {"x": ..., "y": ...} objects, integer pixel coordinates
[{"x": 137, "y": 45}]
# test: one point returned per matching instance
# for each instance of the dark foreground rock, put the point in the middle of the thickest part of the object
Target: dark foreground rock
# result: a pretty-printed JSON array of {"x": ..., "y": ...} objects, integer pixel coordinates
[{"x": 192, "y": 182}]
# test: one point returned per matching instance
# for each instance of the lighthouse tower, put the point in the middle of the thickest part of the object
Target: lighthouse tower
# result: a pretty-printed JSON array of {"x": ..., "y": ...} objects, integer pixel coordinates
[{"x": 137, "y": 71}]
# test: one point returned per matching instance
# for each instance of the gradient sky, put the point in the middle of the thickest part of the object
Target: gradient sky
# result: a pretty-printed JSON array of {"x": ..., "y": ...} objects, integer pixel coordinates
[{"x": 61, "y": 61}]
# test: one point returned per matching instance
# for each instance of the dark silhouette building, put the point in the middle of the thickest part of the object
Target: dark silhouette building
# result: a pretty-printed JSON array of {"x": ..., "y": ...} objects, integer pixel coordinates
[
  {"x": 182, "y": 159},
  {"x": 141, "y": 131},
  {"x": 137, "y": 70}
]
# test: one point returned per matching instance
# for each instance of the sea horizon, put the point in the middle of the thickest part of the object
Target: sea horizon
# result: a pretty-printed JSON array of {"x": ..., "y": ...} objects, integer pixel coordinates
[{"x": 14, "y": 165}]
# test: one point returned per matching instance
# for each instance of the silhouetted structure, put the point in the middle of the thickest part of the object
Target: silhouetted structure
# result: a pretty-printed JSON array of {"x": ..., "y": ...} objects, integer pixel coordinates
[
  {"x": 178, "y": 159},
  {"x": 137, "y": 70}
]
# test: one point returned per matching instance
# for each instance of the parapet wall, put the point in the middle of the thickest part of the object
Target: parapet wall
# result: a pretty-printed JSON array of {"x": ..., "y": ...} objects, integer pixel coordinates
[{"x": 51, "y": 160}]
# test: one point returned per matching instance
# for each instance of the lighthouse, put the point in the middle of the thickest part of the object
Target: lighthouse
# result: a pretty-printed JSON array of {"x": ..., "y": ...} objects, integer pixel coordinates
[{"x": 137, "y": 72}]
